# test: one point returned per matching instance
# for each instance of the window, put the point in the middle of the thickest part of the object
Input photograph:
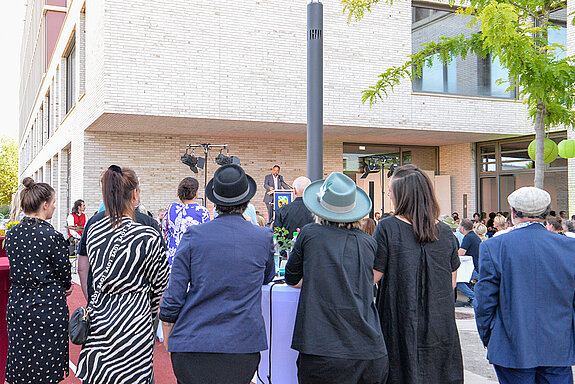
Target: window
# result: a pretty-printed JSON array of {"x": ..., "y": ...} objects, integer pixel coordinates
[
  {"x": 493, "y": 79},
  {"x": 437, "y": 78},
  {"x": 558, "y": 33},
  {"x": 505, "y": 166},
  {"x": 473, "y": 76},
  {"x": 71, "y": 76},
  {"x": 48, "y": 115}
]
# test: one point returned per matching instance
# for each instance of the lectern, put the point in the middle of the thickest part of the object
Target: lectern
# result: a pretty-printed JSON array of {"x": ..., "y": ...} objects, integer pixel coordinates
[{"x": 281, "y": 198}]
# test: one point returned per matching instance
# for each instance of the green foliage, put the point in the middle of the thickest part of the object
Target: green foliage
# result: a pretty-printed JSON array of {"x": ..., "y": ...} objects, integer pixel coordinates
[
  {"x": 8, "y": 169},
  {"x": 4, "y": 210},
  {"x": 513, "y": 31},
  {"x": 283, "y": 239}
]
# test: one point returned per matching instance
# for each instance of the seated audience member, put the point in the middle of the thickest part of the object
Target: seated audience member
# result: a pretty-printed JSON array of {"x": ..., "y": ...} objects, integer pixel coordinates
[
  {"x": 490, "y": 224},
  {"x": 481, "y": 231},
  {"x": 469, "y": 247},
  {"x": 77, "y": 219},
  {"x": 555, "y": 225},
  {"x": 569, "y": 227}
]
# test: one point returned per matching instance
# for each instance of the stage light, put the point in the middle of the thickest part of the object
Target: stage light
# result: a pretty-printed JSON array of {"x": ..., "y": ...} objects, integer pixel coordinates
[
  {"x": 222, "y": 159},
  {"x": 191, "y": 161}
]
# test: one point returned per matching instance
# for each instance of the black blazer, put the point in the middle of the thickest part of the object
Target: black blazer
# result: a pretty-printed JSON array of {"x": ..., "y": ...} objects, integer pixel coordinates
[{"x": 269, "y": 183}]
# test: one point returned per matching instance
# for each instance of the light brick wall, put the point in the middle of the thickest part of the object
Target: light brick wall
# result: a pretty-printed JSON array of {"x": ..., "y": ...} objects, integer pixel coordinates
[
  {"x": 458, "y": 161},
  {"x": 247, "y": 61},
  {"x": 156, "y": 161}
]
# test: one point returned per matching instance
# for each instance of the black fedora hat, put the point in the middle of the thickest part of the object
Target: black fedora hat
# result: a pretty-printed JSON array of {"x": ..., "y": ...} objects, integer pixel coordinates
[{"x": 230, "y": 186}]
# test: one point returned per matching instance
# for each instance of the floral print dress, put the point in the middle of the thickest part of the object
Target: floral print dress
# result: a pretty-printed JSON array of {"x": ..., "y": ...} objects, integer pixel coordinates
[{"x": 177, "y": 219}]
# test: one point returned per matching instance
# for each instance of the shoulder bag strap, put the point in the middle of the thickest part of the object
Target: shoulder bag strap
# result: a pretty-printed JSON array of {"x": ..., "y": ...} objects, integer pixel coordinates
[{"x": 109, "y": 265}]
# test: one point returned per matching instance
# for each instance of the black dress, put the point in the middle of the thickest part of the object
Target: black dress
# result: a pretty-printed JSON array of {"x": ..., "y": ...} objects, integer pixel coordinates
[
  {"x": 415, "y": 304},
  {"x": 37, "y": 313}
]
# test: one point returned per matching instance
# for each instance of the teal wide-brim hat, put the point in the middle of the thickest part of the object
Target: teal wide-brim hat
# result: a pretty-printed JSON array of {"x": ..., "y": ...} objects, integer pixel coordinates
[{"x": 337, "y": 199}]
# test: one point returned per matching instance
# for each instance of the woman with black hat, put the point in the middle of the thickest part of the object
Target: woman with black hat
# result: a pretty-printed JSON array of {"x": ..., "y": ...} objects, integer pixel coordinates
[
  {"x": 337, "y": 331},
  {"x": 215, "y": 329}
]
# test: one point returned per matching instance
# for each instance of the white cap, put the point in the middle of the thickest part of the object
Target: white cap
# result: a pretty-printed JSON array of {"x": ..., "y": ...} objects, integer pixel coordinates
[{"x": 530, "y": 201}]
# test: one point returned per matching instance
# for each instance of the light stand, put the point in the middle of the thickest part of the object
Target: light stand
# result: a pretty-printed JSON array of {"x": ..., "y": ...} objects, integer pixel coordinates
[{"x": 207, "y": 147}]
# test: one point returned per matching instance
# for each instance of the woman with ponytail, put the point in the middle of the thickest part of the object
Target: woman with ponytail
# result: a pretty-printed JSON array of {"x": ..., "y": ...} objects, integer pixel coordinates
[
  {"x": 37, "y": 313},
  {"x": 130, "y": 273},
  {"x": 417, "y": 256}
]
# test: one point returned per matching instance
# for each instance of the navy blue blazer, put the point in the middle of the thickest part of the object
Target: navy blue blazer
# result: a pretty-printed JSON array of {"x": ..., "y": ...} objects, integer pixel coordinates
[
  {"x": 525, "y": 298},
  {"x": 225, "y": 262}
]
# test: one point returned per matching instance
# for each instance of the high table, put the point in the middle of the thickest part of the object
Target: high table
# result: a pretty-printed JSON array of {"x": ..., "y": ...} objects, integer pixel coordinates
[
  {"x": 284, "y": 300},
  {"x": 4, "y": 290}
]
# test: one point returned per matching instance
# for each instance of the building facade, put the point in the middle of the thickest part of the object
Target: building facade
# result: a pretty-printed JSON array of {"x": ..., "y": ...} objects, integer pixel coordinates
[{"x": 133, "y": 83}]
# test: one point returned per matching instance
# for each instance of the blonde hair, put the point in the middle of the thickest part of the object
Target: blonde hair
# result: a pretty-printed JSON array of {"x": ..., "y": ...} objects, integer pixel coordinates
[
  {"x": 16, "y": 206},
  {"x": 481, "y": 230},
  {"x": 499, "y": 220}
]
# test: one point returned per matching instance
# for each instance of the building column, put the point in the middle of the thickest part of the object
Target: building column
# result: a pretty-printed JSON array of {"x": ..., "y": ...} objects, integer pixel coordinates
[{"x": 458, "y": 161}]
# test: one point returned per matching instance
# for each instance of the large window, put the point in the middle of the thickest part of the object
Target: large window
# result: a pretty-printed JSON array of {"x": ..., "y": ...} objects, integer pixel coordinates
[
  {"x": 474, "y": 76},
  {"x": 503, "y": 166},
  {"x": 71, "y": 76}
]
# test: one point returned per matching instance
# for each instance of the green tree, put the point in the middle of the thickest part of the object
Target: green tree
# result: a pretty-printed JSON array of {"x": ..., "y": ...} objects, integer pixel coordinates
[
  {"x": 516, "y": 33},
  {"x": 8, "y": 169}
]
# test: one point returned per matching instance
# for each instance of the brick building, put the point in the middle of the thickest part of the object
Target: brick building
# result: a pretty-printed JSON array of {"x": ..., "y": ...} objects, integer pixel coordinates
[{"x": 133, "y": 82}]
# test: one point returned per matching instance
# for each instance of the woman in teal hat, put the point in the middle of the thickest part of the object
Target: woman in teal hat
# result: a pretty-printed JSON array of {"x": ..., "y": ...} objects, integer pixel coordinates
[{"x": 337, "y": 330}]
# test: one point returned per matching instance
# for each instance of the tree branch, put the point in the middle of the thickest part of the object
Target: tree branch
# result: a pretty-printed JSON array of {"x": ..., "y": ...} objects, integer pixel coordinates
[{"x": 523, "y": 8}]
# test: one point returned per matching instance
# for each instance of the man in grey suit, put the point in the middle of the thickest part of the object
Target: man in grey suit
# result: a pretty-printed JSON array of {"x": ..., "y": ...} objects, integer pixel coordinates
[{"x": 273, "y": 182}]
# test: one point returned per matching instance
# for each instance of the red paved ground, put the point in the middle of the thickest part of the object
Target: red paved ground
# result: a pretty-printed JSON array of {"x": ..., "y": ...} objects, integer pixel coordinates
[{"x": 162, "y": 364}]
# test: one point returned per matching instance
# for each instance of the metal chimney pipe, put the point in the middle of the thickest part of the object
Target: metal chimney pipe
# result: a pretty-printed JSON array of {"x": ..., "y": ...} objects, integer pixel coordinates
[{"x": 315, "y": 90}]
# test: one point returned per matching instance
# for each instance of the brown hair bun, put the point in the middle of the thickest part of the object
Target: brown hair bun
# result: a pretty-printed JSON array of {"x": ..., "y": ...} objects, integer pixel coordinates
[{"x": 28, "y": 182}]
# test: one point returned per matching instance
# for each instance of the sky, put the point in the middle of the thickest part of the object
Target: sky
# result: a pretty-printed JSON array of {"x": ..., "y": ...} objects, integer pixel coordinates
[{"x": 11, "y": 25}]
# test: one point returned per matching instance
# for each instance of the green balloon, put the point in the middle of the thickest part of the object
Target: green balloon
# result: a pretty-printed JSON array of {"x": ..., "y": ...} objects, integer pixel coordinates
[
  {"x": 566, "y": 149},
  {"x": 551, "y": 151}
]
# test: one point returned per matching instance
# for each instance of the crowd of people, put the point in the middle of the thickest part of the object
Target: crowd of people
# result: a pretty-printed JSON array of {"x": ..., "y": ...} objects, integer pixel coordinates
[{"x": 202, "y": 278}]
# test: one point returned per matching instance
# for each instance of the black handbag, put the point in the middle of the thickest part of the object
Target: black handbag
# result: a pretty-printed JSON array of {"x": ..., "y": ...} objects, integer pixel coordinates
[{"x": 79, "y": 325}]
